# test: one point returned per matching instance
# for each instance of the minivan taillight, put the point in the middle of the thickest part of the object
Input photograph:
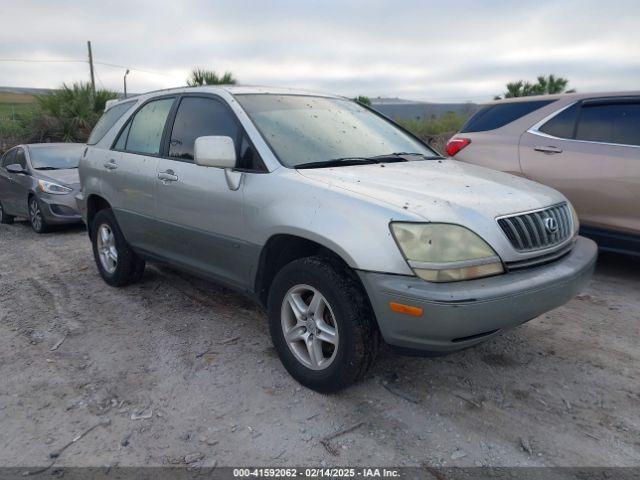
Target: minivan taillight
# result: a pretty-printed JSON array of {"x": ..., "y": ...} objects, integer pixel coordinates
[{"x": 456, "y": 144}]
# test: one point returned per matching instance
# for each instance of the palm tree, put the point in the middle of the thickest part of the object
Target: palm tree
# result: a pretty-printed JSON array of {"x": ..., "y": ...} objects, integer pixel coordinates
[
  {"x": 545, "y": 85},
  {"x": 69, "y": 113},
  {"x": 201, "y": 76}
]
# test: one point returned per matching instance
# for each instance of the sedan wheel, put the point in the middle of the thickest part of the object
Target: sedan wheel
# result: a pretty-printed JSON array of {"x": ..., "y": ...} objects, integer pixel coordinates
[
  {"x": 107, "y": 250},
  {"x": 35, "y": 216},
  {"x": 309, "y": 327}
]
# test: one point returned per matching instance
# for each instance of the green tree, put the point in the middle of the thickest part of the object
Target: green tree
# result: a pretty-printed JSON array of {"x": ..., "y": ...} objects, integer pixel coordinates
[
  {"x": 69, "y": 113},
  {"x": 363, "y": 100},
  {"x": 201, "y": 76},
  {"x": 545, "y": 85}
]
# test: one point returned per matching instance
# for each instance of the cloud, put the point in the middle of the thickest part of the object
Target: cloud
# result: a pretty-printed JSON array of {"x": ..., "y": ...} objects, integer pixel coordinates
[{"x": 434, "y": 50}]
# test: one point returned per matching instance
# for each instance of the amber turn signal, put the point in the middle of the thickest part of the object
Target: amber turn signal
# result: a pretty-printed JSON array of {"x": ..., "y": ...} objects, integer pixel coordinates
[{"x": 406, "y": 309}]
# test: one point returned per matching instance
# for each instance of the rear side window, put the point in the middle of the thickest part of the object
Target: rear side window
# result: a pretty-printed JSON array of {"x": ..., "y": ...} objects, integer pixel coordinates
[
  {"x": 199, "y": 117},
  {"x": 108, "y": 120},
  {"x": 610, "y": 123},
  {"x": 498, "y": 115},
  {"x": 145, "y": 131},
  {"x": 563, "y": 124}
]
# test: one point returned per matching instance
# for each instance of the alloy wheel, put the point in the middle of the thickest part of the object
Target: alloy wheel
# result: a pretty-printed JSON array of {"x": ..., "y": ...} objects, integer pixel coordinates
[
  {"x": 309, "y": 327},
  {"x": 107, "y": 252},
  {"x": 35, "y": 215}
]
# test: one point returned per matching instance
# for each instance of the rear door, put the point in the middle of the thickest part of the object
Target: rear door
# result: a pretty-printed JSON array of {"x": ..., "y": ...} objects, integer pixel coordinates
[
  {"x": 130, "y": 172},
  {"x": 591, "y": 152},
  {"x": 199, "y": 217}
]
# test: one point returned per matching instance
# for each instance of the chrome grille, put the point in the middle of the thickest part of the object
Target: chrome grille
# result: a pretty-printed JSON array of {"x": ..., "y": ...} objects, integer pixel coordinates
[{"x": 530, "y": 231}]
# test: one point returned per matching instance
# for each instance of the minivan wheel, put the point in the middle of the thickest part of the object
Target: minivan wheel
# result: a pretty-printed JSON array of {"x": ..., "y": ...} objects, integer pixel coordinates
[
  {"x": 321, "y": 324},
  {"x": 36, "y": 219},
  {"x": 117, "y": 263},
  {"x": 4, "y": 217}
]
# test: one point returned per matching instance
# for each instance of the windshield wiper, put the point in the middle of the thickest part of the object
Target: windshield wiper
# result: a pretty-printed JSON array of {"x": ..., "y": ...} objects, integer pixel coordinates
[
  {"x": 347, "y": 161},
  {"x": 47, "y": 168},
  {"x": 411, "y": 154}
]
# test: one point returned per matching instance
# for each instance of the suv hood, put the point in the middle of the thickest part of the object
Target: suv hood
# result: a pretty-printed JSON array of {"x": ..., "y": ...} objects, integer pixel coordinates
[{"x": 440, "y": 190}]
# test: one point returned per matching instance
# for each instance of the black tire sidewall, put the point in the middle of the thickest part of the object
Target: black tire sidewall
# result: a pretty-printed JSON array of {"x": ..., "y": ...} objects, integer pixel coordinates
[
  {"x": 346, "y": 366},
  {"x": 129, "y": 267}
]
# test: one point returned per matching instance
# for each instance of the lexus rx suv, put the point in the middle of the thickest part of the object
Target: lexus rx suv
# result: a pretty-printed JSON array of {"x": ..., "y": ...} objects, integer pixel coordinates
[{"x": 346, "y": 228}]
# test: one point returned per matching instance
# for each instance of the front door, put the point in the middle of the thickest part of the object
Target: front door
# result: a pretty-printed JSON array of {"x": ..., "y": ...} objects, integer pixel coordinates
[
  {"x": 200, "y": 218},
  {"x": 15, "y": 186}
]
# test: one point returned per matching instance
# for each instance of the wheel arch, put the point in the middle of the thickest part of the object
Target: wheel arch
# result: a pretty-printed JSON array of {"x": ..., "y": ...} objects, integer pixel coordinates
[
  {"x": 95, "y": 203},
  {"x": 281, "y": 249}
]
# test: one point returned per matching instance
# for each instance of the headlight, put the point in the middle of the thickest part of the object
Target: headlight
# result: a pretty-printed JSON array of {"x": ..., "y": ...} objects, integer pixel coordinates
[
  {"x": 442, "y": 252},
  {"x": 53, "y": 188},
  {"x": 576, "y": 221}
]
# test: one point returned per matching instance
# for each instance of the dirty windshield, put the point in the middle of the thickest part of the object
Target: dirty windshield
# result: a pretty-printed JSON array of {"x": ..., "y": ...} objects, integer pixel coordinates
[{"x": 308, "y": 130}]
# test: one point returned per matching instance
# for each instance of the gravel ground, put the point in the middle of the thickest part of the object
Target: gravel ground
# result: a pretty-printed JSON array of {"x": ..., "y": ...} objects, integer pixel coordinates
[{"x": 177, "y": 370}]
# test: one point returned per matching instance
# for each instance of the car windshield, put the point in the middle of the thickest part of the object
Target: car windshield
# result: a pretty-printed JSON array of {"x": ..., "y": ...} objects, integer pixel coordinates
[
  {"x": 55, "y": 157},
  {"x": 319, "y": 131}
]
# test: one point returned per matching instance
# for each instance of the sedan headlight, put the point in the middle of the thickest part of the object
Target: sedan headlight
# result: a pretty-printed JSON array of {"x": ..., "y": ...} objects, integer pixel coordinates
[
  {"x": 53, "y": 188},
  {"x": 442, "y": 252}
]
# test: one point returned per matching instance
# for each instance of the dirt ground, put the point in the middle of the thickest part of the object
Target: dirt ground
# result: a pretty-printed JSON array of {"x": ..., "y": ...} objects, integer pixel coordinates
[{"x": 177, "y": 370}]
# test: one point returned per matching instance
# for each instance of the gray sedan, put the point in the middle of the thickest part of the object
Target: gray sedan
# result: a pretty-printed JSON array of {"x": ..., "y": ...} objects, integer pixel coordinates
[{"x": 39, "y": 182}]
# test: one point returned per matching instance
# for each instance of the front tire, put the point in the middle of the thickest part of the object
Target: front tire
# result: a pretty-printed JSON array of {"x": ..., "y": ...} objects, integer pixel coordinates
[
  {"x": 117, "y": 263},
  {"x": 4, "y": 217},
  {"x": 321, "y": 324},
  {"x": 36, "y": 218}
]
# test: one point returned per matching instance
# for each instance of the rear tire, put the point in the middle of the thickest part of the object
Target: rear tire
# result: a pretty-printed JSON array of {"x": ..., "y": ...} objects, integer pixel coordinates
[
  {"x": 117, "y": 263},
  {"x": 325, "y": 348},
  {"x": 36, "y": 218},
  {"x": 4, "y": 217}
]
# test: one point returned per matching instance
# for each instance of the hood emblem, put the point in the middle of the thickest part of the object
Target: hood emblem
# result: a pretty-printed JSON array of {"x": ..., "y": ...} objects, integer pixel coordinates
[{"x": 551, "y": 225}]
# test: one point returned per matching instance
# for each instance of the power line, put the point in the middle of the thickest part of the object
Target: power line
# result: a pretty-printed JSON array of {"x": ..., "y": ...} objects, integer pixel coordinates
[{"x": 105, "y": 64}]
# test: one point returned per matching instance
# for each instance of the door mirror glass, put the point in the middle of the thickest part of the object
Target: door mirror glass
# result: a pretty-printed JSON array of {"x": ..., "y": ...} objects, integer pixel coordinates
[
  {"x": 15, "y": 168},
  {"x": 215, "y": 151}
]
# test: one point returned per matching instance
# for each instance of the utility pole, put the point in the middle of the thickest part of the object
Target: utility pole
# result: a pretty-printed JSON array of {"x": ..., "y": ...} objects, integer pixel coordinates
[{"x": 93, "y": 80}]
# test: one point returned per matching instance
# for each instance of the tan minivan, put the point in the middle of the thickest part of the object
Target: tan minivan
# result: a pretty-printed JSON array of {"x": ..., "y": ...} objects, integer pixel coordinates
[{"x": 585, "y": 145}]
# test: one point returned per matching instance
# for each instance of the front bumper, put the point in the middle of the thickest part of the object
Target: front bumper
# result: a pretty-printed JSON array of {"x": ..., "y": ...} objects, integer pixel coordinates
[
  {"x": 59, "y": 209},
  {"x": 458, "y": 315}
]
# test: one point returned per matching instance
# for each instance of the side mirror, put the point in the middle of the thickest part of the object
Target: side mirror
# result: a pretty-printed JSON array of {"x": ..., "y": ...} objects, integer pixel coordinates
[
  {"x": 15, "y": 168},
  {"x": 215, "y": 151}
]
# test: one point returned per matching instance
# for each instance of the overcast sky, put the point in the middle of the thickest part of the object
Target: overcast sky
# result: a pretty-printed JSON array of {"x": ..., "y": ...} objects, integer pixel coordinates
[{"x": 428, "y": 50}]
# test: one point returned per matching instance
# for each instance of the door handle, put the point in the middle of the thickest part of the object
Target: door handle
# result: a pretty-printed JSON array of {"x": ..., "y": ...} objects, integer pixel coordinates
[
  {"x": 548, "y": 150},
  {"x": 168, "y": 176},
  {"x": 111, "y": 165}
]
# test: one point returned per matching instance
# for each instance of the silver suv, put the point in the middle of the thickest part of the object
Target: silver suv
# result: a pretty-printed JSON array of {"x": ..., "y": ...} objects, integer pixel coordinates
[{"x": 347, "y": 228}]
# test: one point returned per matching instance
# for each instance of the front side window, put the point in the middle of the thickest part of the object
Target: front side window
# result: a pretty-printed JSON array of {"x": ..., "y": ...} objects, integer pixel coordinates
[
  {"x": 563, "y": 124},
  {"x": 59, "y": 157},
  {"x": 305, "y": 129},
  {"x": 500, "y": 114},
  {"x": 199, "y": 117},
  {"x": 144, "y": 134},
  {"x": 108, "y": 120},
  {"x": 614, "y": 122},
  {"x": 20, "y": 158}
]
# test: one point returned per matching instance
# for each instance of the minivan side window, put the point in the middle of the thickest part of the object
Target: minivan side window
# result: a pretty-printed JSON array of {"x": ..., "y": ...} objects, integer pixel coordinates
[
  {"x": 498, "y": 115},
  {"x": 199, "y": 117},
  {"x": 615, "y": 122},
  {"x": 145, "y": 130},
  {"x": 563, "y": 124}
]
